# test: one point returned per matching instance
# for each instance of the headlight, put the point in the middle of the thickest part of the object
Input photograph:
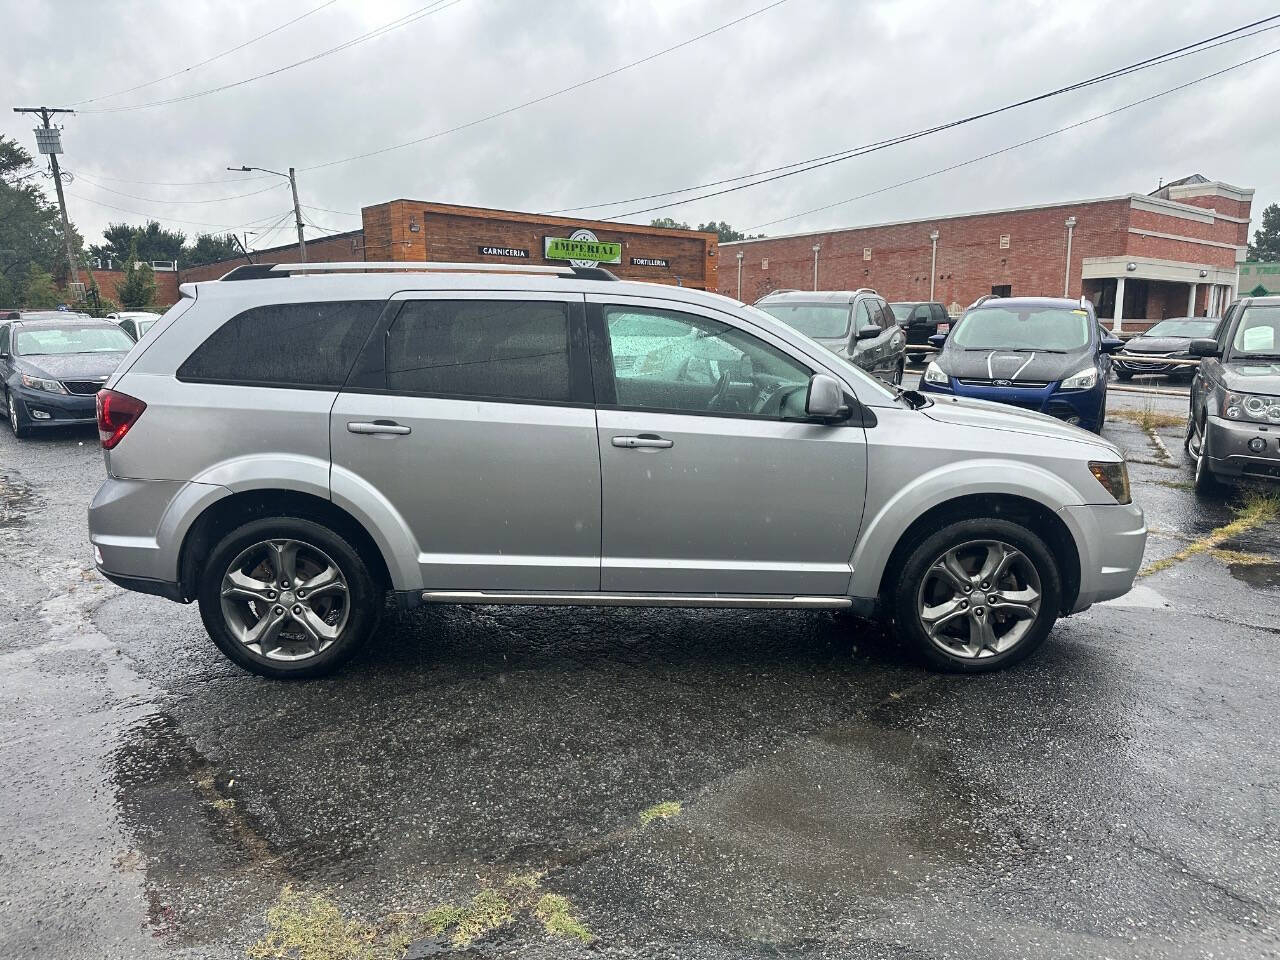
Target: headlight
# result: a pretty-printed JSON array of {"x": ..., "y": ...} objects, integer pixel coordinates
[
  {"x": 1114, "y": 477},
  {"x": 48, "y": 386},
  {"x": 1082, "y": 380},
  {"x": 1251, "y": 406},
  {"x": 933, "y": 374}
]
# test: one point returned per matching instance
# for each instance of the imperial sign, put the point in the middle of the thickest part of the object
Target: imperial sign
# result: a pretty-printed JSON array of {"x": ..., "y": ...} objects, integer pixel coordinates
[{"x": 582, "y": 249}]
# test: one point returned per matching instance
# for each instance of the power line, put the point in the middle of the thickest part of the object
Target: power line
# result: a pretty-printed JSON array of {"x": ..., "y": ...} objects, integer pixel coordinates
[
  {"x": 1022, "y": 143},
  {"x": 341, "y": 213},
  {"x": 202, "y": 63},
  {"x": 435, "y": 7},
  {"x": 152, "y": 216},
  {"x": 178, "y": 183},
  {"x": 815, "y": 163},
  {"x": 131, "y": 196},
  {"x": 548, "y": 96},
  {"x": 261, "y": 240}
]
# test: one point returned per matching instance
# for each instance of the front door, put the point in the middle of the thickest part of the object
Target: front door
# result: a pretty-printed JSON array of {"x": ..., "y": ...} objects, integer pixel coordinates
[
  {"x": 712, "y": 482},
  {"x": 471, "y": 415}
]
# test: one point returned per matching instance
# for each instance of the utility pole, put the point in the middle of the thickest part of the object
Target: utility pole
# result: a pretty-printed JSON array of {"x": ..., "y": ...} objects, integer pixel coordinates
[
  {"x": 297, "y": 209},
  {"x": 49, "y": 142}
]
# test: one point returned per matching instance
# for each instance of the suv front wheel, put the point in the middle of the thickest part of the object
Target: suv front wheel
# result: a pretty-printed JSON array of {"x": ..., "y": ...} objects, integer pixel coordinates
[
  {"x": 286, "y": 597},
  {"x": 977, "y": 595}
]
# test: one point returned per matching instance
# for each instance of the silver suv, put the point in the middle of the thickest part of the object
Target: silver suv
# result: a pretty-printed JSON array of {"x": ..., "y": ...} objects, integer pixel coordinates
[{"x": 289, "y": 444}]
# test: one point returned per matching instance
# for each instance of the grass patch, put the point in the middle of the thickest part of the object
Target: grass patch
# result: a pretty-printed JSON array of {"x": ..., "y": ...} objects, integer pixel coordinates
[
  {"x": 1242, "y": 559},
  {"x": 1174, "y": 484},
  {"x": 660, "y": 811},
  {"x": 557, "y": 918},
  {"x": 1255, "y": 509},
  {"x": 313, "y": 928},
  {"x": 1148, "y": 419}
]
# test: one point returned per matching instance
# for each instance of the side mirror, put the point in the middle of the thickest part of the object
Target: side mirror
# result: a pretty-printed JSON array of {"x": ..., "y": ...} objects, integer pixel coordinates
[
  {"x": 868, "y": 333},
  {"x": 825, "y": 399},
  {"x": 1204, "y": 347},
  {"x": 1112, "y": 344},
  {"x": 937, "y": 340}
]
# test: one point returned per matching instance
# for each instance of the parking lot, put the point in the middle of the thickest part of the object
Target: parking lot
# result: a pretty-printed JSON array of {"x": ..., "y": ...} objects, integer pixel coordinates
[{"x": 691, "y": 783}]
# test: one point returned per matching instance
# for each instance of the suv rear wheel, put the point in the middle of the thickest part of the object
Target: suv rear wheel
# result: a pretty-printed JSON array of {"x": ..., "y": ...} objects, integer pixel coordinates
[
  {"x": 286, "y": 597},
  {"x": 977, "y": 595}
]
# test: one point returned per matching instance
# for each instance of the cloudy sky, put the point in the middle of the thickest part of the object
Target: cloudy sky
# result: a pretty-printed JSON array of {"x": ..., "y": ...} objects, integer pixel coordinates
[{"x": 801, "y": 79}]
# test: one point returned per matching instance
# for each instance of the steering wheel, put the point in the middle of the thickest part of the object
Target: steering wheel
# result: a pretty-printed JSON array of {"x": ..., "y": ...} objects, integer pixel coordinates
[{"x": 722, "y": 391}]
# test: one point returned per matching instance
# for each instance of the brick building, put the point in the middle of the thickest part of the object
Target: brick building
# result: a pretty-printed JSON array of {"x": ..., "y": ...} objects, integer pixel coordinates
[
  {"x": 109, "y": 282},
  {"x": 416, "y": 230},
  {"x": 1138, "y": 257}
]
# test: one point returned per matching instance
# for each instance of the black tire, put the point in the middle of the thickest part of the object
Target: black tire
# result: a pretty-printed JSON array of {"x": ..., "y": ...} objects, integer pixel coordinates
[
  {"x": 364, "y": 596},
  {"x": 1123, "y": 375},
  {"x": 906, "y": 587},
  {"x": 20, "y": 429},
  {"x": 1206, "y": 485}
]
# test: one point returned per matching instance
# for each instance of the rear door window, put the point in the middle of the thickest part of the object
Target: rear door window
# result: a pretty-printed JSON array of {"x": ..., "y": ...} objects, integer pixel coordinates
[
  {"x": 487, "y": 349},
  {"x": 303, "y": 345}
]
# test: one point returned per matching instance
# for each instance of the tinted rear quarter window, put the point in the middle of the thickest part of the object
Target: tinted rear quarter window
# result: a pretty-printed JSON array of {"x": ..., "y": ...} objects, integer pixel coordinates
[
  {"x": 495, "y": 349},
  {"x": 285, "y": 344}
]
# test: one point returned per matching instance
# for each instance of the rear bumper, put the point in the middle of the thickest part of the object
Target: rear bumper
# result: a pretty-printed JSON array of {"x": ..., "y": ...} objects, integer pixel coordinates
[
  {"x": 137, "y": 528},
  {"x": 1226, "y": 444},
  {"x": 41, "y": 409},
  {"x": 1111, "y": 540}
]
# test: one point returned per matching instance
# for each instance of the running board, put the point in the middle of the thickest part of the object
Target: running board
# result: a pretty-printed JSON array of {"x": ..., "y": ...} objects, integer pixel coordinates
[{"x": 637, "y": 600}]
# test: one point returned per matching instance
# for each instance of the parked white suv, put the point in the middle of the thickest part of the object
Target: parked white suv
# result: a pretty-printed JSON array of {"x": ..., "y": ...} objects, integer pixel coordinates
[{"x": 291, "y": 442}]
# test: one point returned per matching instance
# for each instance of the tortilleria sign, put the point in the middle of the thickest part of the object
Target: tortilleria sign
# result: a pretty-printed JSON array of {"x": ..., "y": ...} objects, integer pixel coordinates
[
  {"x": 650, "y": 262},
  {"x": 516, "y": 252},
  {"x": 582, "y": 249}
]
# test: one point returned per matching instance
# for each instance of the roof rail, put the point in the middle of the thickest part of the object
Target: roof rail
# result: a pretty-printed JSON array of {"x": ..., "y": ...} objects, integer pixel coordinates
[{"x": 265, "y": 271}]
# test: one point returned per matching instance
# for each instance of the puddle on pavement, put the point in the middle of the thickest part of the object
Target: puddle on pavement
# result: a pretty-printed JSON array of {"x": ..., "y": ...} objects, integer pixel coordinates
[
  {"x": 1260, "y": 575},
  {"x": 15, "y": 496}
]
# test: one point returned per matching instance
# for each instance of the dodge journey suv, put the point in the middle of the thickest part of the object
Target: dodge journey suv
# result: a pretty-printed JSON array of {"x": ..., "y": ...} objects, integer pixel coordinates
[{"x": 291, "y": 443}]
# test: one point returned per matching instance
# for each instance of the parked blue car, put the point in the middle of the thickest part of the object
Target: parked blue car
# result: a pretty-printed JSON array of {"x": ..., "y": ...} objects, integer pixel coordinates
[{"x": 1046, "y": 354}]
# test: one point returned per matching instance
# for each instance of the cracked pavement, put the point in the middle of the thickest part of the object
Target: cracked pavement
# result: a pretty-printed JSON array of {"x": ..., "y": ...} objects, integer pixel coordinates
[{"x": 1114, "y": 796}]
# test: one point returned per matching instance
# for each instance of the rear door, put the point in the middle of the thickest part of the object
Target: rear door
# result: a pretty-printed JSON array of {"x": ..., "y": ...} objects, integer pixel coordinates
[
  {"x": 707, "y": 486},
  {"x": 471, "y": 415}
]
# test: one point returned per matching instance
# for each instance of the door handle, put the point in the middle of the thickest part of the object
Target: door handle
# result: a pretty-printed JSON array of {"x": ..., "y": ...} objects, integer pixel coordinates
[
  {"x": 379, "y": 428},
  {"x": 645, "y": 440}
]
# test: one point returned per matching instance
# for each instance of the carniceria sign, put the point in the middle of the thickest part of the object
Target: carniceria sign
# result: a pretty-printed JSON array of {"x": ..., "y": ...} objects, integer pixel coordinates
[{"x": 582, "y": 248}]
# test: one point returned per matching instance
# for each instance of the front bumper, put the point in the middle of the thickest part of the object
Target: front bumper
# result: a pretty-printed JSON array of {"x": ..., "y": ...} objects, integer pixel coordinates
[
  {"x": 1110, "y": 540},
  {"x": 1082, "y": 407},
  {"x": 1226, "y": 444},
  {"x": 39, "y": 408},
  {"x": 1156, "y": 364}
]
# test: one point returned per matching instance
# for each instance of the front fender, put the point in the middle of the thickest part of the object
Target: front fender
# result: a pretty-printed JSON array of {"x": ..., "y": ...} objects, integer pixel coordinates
[{"x": 988, "y": 477}]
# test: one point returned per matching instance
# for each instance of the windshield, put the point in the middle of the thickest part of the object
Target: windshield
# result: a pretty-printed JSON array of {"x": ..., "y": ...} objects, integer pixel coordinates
[
  {"x": 1184, "y": 327},
  {"x": 63, "y": 340},
  {"x": 1258, "y": 333},
  {"x": 1022, "y": 328},
  {"x": 823, "y": 321},
  {"x": 901, "y": 311}
]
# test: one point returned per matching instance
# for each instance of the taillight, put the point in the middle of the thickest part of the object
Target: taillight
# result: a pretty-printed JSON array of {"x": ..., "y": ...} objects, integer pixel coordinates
[{"x": 117, "y": 412}]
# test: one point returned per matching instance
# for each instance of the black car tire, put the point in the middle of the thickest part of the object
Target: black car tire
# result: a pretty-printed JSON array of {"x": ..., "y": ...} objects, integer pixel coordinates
[
  {"x": 1206, "y": 484},
  {"x": 364, "y": 596},
  {"x": 20, "y": 430},
  {"x": 904, "y": 591}
]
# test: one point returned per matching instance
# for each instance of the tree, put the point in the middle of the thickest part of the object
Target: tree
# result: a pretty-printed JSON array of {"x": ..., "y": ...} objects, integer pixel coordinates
[
  {"x": 138, "y": 288},
  {"x": 30, "y": 228},
  {"x": 40, "y": 292},
  {"x": 209, "y": 248},
  {"x": 1266, "y": 241},
  {"x": 153, "y": 242},
  {"x": 722, "y": 230}
]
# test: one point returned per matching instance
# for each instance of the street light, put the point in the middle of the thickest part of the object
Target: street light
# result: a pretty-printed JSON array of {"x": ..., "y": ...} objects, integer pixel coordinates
[
  {"x": 816, "y": 248},
  {"x": 297, "y": 211},
  {"x": 1066, "y": 279},
  {"x": 933, "y": 262},
  {"x": 739, "y": 276}
]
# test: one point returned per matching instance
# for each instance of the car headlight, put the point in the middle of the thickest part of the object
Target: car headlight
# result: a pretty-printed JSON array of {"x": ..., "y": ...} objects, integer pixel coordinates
[
  {"x": 1114, "y": 477},
  {"x": 933, "y": 374},
  {"x": 1251, "y": 406},
  {"x": 39, "y": 383},
  {"x": 1082, "y": 380}
]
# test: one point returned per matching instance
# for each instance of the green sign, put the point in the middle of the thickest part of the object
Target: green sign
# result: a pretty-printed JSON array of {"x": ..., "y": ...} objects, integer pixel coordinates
[
  {"x": 582, "y": 250},
  {"x": 1265, "y": 277}
]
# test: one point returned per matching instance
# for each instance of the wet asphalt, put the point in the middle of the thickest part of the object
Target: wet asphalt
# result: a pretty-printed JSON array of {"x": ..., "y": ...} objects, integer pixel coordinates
[{"x": 1115, "y": 796}]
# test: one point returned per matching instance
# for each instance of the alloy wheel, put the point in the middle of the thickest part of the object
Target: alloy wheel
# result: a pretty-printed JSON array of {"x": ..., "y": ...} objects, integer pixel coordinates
[
  {"x": 979, "y": 599},
  {"x": 13, "y": 414},
  {"x": 285, "y": 600}
]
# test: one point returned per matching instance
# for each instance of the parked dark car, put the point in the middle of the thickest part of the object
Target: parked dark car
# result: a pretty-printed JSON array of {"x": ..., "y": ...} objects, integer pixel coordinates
[
  {"x": 1233, "y": 429},
  {"x": 920, "y": 321},
  {"x": 854, "y": 324},
  {"x": 1169, "y": 339},
  {"x": 51, "y": 369},
  {"x": 1040, "y": 353}
]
